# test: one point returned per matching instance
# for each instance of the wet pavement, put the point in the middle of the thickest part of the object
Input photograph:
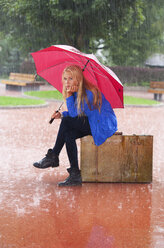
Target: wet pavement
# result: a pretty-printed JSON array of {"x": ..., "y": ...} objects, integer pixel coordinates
[{"x": 36, "y": 213}]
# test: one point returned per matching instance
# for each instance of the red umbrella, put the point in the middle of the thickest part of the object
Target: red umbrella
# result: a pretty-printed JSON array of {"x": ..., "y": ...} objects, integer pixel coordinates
[{"x": 50, "y": 63}]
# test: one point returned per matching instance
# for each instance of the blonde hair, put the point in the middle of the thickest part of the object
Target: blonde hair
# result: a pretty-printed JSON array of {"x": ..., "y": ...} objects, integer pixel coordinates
[{"x": 83, "y": 84}]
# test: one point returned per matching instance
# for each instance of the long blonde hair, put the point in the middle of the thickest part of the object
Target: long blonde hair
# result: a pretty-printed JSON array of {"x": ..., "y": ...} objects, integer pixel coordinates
[{"x": 83, "y": 84}]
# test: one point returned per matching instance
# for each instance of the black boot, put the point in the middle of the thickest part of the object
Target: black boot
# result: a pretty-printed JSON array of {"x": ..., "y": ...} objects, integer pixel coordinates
[
  {"x": 73, "y": 179},
  {"x": 50, "y": 160}
]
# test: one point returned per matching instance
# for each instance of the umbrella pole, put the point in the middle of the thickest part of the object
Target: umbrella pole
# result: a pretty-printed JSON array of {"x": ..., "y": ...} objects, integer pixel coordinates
[{"x": 85, "y": 65}]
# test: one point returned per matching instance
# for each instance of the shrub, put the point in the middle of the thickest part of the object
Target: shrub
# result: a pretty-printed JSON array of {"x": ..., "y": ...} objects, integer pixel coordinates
[{"x": 138, "y": 75}]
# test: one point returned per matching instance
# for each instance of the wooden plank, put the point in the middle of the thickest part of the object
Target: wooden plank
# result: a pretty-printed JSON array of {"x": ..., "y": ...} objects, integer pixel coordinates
[
  {"x": 145, "y": 155},
  {"x": 137, "y": 158},
  {"x": 89, "y": 158},
  {"x": 20, "y": 83},
  {"x": 13, "y": 82},
  {"x": 157, "y": 91},
  {"x": 121, "y": 158},
  {"x": 159, "y": 84},
  {"x": 22, "y": 80},
  {"x": 22, "y": 77},
  {"x": 109, "y": 157}
]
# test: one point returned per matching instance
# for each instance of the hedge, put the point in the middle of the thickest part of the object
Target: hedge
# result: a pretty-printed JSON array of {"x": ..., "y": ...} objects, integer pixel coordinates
[
  {"x": 138, "y": 75},
  {"x": 127, "y": 74}
]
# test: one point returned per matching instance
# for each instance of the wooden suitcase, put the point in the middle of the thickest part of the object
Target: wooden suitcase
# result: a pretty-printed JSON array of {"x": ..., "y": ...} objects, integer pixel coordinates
[{"x": 122, "y": 158}]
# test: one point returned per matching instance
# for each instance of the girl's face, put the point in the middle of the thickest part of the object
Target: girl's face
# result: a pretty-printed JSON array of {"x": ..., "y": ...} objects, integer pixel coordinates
[{"x": 69, "y": 81}]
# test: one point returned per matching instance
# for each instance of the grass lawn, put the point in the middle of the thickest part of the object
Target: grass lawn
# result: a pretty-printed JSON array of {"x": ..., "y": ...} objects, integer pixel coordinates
[
  {"x": 50, "y": 94},
  {"x": 16, "y": 101},
  {"x": 130, "y": 100},
  {"x": 57, "y": 95}
]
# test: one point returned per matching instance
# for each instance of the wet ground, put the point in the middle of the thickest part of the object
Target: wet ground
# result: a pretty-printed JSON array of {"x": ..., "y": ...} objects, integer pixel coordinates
[{"x": 36, "y": 213}]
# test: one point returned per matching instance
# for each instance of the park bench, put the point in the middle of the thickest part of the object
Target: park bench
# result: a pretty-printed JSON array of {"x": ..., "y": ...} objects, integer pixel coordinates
[
  {"x": 121, "y": 158},
  {"x": 22, "y": 82},
  {"x": 158, "y": 89}
]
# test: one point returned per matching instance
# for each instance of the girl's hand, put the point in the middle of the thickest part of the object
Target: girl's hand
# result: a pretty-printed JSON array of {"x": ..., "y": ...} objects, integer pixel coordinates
[
  {"x": 71, "y": 89},
  {"x": 56, "y": 115}
]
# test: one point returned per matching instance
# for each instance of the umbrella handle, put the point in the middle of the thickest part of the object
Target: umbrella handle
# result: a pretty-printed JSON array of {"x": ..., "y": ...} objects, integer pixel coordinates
[{"x": 52, "y": 119}]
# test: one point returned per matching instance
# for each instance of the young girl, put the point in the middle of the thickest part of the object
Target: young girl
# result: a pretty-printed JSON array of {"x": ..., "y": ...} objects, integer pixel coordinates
[{"x": 89, "y": 113}]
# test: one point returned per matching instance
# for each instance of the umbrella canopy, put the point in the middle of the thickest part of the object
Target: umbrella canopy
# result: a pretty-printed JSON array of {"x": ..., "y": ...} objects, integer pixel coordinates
[{"x": 50, "y": 63}]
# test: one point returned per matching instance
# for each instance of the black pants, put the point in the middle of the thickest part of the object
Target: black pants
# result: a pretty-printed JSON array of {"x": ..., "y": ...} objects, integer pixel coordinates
[{"x": 70, "y": 130}]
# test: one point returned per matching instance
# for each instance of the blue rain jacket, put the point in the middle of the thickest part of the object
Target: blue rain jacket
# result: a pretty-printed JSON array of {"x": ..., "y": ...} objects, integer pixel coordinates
[{"x": 103, "y": 124}]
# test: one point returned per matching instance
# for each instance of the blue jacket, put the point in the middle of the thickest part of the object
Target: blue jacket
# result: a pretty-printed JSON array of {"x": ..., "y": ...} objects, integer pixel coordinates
[{"x": 103, "y": 124}]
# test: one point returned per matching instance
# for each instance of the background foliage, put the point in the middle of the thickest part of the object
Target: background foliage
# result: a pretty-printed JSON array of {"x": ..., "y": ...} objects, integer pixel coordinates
[{"x": 121, "y": 32}]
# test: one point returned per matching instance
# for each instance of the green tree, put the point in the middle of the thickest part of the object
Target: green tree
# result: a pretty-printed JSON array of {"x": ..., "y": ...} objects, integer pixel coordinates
[
  {"x": 144, "y": 35},
  {"x": 10, "y": 57},
  {"x": 124, "y": 27},
  {"x": 39, "y": 23}
]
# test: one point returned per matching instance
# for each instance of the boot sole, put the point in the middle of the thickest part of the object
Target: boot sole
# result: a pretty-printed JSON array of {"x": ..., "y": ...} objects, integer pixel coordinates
[
  {"x": 67, "y": 185},
  {"x": 45, "y": 167}
]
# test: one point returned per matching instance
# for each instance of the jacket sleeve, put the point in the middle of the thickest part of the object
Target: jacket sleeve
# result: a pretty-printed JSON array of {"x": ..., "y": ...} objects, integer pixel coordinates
[
  {"x": 71, "y": 106},
  {"x": 65, "y": 113}
]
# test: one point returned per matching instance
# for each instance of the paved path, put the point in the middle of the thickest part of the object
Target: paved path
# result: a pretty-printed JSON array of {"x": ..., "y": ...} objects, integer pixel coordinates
[{"x": 35, "y": 213}]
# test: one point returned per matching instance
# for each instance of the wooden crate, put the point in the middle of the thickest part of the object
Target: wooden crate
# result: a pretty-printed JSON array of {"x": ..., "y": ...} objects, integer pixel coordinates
[{"x": 122, "y": 158}]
